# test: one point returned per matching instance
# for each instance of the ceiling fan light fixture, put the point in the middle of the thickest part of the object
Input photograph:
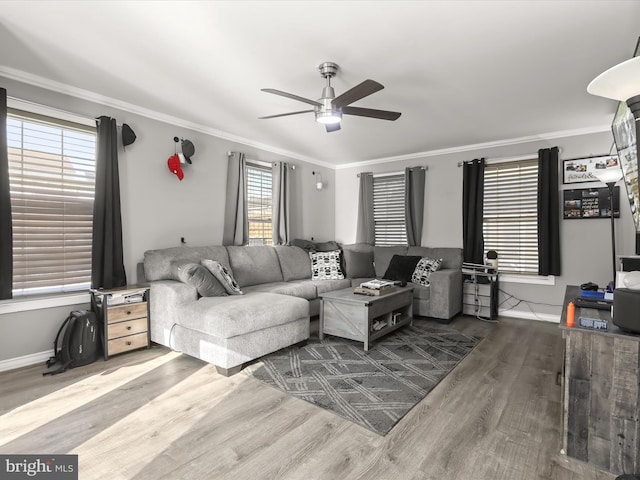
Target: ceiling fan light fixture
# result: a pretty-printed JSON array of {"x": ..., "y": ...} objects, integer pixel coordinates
[{"x": 330, "y": 117}]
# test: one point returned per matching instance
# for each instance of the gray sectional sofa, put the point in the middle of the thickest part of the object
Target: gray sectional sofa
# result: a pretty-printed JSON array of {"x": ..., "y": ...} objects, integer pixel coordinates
[{"x": 278, "y": 299}]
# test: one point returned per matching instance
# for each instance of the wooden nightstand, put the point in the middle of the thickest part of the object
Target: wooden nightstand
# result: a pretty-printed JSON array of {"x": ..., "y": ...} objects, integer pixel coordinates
[{"x": 125, "y": 318}]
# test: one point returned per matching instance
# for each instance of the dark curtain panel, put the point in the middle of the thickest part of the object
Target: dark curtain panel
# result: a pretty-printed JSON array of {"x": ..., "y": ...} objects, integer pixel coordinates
[
  {"x": 414, "y": 203},
  {"x": 548, "y": 212},
  {"x": 236, "y": 224},
  {"x": 365, "y": 230},
  {"x": 107, "y": 265},
  {"x": 472, "y": 210},
  {"x": 6, "y": 232},
  {"x": 281, "y": 199}
]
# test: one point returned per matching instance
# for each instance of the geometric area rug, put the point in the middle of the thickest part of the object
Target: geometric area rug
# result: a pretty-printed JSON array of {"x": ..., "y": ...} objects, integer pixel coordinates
[{"x": 374, "y": 389}]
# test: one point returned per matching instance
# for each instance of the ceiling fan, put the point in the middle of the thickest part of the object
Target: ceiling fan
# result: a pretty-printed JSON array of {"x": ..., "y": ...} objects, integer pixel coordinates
[{"x": 329, "y": 109}]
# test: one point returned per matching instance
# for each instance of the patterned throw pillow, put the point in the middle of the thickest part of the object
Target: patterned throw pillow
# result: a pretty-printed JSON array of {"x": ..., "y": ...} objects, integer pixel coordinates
[
  {"x": 223, "y": 275},
  {"x": 423, "y": 270},
  {"x": 326, "y": 265}
]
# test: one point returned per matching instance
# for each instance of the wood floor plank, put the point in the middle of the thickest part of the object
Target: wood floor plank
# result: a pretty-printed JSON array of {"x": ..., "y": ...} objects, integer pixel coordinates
[{"x": 156, "y": 414}]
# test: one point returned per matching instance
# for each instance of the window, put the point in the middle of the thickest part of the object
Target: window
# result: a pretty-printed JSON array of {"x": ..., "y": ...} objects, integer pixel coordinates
[
  {"x": 259, "y": 202},
  {"x": 52, "y": 181},
  {"x": 510, "y": 223},
  {"x": 388, "y": 210}
]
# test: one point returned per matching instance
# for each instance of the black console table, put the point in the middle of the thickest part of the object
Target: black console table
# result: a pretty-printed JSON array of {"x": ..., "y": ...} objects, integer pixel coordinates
[{"x": 600, "y": 393}]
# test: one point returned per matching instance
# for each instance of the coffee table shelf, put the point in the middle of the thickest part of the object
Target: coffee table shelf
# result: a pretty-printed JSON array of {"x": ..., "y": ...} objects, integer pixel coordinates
[{"x": 348, "y": 315}]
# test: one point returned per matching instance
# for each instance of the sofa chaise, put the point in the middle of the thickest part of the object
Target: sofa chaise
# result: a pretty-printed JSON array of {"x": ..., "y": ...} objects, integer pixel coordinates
[{"x": 278, "y": 297}]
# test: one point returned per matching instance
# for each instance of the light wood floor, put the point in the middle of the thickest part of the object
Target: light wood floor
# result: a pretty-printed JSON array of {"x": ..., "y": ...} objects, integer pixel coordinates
[{"x": 156, "y": 414}]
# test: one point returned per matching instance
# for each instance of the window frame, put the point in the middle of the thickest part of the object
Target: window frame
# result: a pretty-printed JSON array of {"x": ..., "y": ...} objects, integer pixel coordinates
[
  {"x": 523, "y": 276},
  {"x": 45, "y": 296},
  {"x": 388, "y": 199},
  {"x": 265, "y": 168}
]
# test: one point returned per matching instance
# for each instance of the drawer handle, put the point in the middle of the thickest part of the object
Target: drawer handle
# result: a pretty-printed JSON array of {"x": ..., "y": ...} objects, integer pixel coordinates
[
  {"x": 129, "y": 343},
  {"x": 128, "y": 312},
  {"x": 129, "y": 327}
]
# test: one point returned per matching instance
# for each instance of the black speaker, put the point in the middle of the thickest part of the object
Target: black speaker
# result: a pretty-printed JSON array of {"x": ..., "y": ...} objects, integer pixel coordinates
[{"x": 626, "y": 309}]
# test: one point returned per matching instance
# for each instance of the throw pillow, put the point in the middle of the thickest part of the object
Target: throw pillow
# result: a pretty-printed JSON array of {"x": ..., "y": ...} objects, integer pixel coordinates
[
  {"x": 326, "y": 265},
  {"x": 223, "y": 275},
  {"x": 359, "y": 264},
  {"x": 200, "y": 278},
  {"x": 423, "y": 270},
  {"x": 401, "y": 268}
]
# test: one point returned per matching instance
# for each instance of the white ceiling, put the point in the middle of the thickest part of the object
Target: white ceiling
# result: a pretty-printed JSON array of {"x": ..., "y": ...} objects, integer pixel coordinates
[{"x": 461, "y": 72}]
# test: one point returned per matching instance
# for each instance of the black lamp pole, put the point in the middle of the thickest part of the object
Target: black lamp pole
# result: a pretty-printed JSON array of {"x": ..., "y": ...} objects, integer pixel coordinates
[{"x": 611, "y": 186}]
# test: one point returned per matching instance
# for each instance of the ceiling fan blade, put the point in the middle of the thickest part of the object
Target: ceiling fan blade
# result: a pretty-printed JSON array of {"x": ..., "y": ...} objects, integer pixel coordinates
[
  {"x": 372, "y": 113},
  {"x": 332, "y": 127},
  {"x": 284, "y": 114},
  {"x": 356, "y": 93},
  {"x": 291, "y": 96}
]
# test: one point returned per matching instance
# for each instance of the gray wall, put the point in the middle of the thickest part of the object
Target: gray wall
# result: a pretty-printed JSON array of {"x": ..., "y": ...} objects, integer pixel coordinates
[
  {"x": 585, "y": 244},
  {"x": 157, "y": 209}
]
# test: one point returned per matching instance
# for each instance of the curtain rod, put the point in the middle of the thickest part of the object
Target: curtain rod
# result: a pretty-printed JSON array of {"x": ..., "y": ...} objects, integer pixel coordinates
[
  {"x": 41, "y": 109},
  {"x": 388, "y": 174},
  {"x": 262, "y": 162},
  {"x": 530, "y": 156}
]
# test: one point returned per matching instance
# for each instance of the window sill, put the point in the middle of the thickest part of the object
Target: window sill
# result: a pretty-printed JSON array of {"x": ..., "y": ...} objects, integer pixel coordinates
[
  {"x": 25, "y": 304},
  {"x": 530, "y": 279}
]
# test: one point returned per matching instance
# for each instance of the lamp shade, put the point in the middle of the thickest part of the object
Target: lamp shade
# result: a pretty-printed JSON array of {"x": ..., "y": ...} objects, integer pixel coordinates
[
  {"x": 608, "y": 175},
  {"x": 620, "y": 82}
]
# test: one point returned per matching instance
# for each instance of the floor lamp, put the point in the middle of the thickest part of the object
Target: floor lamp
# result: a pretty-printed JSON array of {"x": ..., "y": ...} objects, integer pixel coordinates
[
  {"x": 610, "y": 177},
  {"x": 622, "y": 83}
]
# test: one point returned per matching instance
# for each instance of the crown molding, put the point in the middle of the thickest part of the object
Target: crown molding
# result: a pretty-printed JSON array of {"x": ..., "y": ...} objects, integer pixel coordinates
[
  {"x": 480, "y": 146},
  {"x": 65, "y": 89}
]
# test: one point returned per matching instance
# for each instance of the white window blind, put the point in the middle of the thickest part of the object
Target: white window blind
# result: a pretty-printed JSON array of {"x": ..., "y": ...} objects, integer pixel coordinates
[
  {"x": 388, "y": 210},
  {"x": 510, "y": 224},
  {"x": 259, "y": 204},
  {"x": 52, "y": 182}
]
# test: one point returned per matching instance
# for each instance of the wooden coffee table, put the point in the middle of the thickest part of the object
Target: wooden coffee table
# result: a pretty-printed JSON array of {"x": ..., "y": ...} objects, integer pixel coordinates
[{"x": 364, "y": 318}]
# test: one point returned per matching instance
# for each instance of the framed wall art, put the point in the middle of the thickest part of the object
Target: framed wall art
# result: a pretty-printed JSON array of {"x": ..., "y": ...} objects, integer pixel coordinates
[
  {"x": 579, "y": 170},
  {"x": 590, "y": 203}
]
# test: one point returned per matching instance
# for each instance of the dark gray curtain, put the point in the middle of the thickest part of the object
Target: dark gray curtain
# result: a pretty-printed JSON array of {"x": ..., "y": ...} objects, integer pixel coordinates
[
  {"x": 472, "y": 210},
  {"x": 365, "y": 230},
  {"x": 236, "y": 225},
  {"x": 6, "y": 231},
  {"x": 414, "y": 179},
  {"x": 107, "y": 265},
  {"x": 548, "y": 212},
  {"x": 281, "y": 193}
]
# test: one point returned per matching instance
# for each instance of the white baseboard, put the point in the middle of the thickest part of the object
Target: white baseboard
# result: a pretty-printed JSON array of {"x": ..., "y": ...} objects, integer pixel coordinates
[
  {"x": 545, "y": 317},
  {"x": 25, "y": 361}
]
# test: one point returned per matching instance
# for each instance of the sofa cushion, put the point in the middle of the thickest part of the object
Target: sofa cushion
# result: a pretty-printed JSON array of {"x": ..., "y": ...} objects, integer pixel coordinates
[
  {"x": 425, "y": 267},
  {"x": 382, "y": 256},
  {"x": 358, "y": 263},
  {"x": 252, "y": 265},
  {"x": 324, "y": 286},
  {"x": 158, "y": 263},
  {"x": 296, "y": 288},
  {"x": 451, "y": 256},
  {"x": 294, "y": 263},
  {"x": 223, "y": 275},
  {"x": 200, "y": 278},
  {"x": 310, "y": 246},
  {"x": 226, "y": 317},
  {"x": 420, "y": 291},
  {"x": 326, "y": 265},
  {"x": 401, "y": 268}
]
